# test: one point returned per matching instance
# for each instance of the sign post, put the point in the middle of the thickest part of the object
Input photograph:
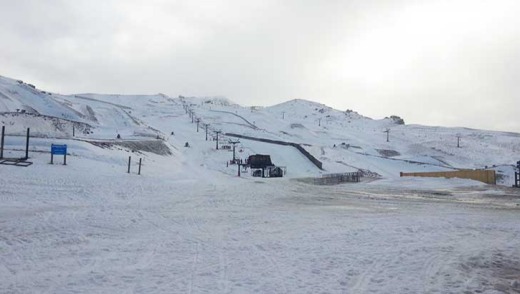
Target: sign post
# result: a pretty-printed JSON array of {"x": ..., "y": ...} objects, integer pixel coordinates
[{"x": 59, "y": 150}]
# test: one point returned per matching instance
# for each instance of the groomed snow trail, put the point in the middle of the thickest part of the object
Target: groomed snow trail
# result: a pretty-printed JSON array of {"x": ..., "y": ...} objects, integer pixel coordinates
[{"x": 73, "y": 232}]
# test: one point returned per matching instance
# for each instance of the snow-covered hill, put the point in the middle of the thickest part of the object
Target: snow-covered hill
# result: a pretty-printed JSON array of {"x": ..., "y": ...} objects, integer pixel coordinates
[{"x": 343, "y": 141}]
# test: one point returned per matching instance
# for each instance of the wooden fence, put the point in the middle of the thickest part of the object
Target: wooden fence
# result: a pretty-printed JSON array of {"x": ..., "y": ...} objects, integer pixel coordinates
[
  {"x": 486, "y": 176},
  {"x": 333, "y": 179}
]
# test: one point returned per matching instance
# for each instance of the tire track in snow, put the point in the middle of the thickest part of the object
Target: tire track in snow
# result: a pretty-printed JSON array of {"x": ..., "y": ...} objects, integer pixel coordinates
[
  {"x": 263, "y": 252},
  {"x": 193, "y": 268},
  {"x": 370, "y": 274},
  {"x": 223, "y": 265},
  {"x": 432, "y": 266}
]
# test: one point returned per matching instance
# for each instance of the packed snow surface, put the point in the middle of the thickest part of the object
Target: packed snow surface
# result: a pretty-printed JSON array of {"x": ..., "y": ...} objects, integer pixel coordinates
[
  {"x": 88, "y": 227},
  {"x": 189, "y": 224}
]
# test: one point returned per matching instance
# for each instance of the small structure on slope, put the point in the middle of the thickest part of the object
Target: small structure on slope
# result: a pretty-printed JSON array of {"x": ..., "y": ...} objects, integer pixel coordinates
[{"x": 262, "y": 166}]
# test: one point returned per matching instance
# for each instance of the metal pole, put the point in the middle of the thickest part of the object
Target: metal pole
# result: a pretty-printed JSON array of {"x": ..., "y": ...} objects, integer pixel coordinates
[
  {"x": 217, "y": 132},
  {"x": 52, "y": 158},
  {"x": 238, "y": 169},
  {"x": 139, "y": 171},
  {"x": 65, "y": 158},
  {"x": 2, "y": 143},
  {"x": 73, "y": 131},
  {"x": 198, "y": 121},
  {"x": 129, "y": 161},
  {"x": 206, "y": 125},
  {"x": 234, "y": 148},
  {"x": 27, "y": 144}
]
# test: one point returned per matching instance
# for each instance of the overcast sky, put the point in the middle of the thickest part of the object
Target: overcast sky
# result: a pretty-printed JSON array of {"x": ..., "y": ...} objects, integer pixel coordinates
[{"x": 433, "y": 62}]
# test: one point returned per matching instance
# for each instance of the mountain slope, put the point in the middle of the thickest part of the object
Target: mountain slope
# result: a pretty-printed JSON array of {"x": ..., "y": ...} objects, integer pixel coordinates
[{"x": 343, "y": 140}]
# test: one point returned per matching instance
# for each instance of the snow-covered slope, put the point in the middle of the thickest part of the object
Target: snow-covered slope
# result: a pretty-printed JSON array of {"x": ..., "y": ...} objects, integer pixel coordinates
[
  {"x": 347, "y": 141},
  {"x": 19, "y": 96},
  {"x": 342, "y": 140}
]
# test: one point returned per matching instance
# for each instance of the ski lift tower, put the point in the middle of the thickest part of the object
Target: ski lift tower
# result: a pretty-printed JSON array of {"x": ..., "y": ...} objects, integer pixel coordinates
[
  {"x": 206, "y": 127},
  {"x": 217, "y": 132},
  {"x": 234, "y": 146}
]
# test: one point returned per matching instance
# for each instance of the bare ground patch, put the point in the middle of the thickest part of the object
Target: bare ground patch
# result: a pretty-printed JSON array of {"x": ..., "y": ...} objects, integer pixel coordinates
[{"x": 152, "y": 146}]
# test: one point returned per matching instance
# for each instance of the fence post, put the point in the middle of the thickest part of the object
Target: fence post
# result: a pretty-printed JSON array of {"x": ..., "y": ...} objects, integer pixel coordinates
[
  {"x": 139, "y": 171},
  {"x": 129, "y": 161},
  {"x": 2, "y": 143},
  {"x": 27, "y": 145}
]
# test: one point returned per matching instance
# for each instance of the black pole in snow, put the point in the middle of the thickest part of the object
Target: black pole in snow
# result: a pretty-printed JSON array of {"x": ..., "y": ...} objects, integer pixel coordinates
[
  {"x": 206, "y": 127},
  {"x": 217, "y": 132},
  {"x": 139, "y": 171},
  {"x": 129, "y": 161},
  {"x": 2, "y": 143},
  {"x": 27, "y": 144}
]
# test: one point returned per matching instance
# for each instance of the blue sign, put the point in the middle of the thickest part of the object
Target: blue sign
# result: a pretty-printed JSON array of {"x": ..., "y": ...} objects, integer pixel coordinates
[{"x": 59, "y": 149}]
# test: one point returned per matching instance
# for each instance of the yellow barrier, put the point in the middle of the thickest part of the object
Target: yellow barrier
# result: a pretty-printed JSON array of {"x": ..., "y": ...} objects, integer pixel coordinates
[{"x": 486, "y": 176}]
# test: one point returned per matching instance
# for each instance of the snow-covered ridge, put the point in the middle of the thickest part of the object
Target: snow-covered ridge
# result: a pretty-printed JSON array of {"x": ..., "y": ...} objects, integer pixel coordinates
[{"x": 342, "y": 140}]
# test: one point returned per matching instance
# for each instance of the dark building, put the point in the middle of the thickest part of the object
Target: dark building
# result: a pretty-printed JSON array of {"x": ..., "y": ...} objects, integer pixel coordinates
[{"x": 259, "y": 161}]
